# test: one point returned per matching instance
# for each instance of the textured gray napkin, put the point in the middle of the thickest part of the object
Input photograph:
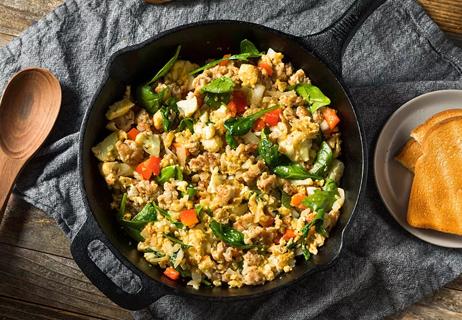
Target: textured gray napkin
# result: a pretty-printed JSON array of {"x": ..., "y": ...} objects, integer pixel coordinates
[{"x": 397, "y": 54}]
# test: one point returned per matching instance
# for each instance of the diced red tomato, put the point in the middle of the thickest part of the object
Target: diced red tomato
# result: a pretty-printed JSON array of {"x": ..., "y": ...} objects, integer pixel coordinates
[
  {"x": 149, "y": 167},
  {"x": 172, "y": 273},
  {"x": 297, "y": 199},
  {"x": 259, "y": 125},
  {"x": 189, "y": 217},
  {"x": 238, "y": 103},
  {"x": 330, "y": 115},
  {"x": 267, "y": 67},
  {"x": 289, "y": 234},
  {"x": 132, "y": 133},
  {"x": 225, "y": 62},
  {"x": 272, "y": 118}
]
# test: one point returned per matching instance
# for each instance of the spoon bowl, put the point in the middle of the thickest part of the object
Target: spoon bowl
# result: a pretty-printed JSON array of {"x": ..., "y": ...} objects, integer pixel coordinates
[{"x": 28, "y": 110}]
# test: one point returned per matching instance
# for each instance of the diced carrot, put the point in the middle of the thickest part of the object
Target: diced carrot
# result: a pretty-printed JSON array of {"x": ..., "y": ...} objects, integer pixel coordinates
[
  {"x": 259, "y": 125},
  {"x": 132, "y": 133},
  {"x": 189, "y": 217},
  {"x": 267, "y": 67},
  {"x": 289, "y": 234},
  {"x": 330, "y": 115},
  {"x": 149, "y": 167},
  {"x": 181, "y": 153},
  {"x": 225, "y": 62},
  {"x": 272, "y": 118},
  {"x": 297, "y": 199},
  {"x": 172, "y": 273}
]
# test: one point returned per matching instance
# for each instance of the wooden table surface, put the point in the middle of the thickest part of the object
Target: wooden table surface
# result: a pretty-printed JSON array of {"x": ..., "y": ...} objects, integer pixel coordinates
[{"x": 39, "y": 279}]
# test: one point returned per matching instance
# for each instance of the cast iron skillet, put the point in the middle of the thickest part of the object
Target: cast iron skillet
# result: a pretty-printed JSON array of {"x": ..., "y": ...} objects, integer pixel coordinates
[{"x": 200, "y": 41}]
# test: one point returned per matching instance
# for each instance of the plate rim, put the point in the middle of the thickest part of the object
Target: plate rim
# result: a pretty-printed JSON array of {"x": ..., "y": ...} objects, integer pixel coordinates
[{"x": 411, "y": 230}]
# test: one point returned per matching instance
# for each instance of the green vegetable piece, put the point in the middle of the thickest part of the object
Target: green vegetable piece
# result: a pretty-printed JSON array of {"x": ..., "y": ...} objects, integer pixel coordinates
[
  {"x": 168, "y": 173},
  {"x": 123, "y": 204},
  {"x": 313, "y": 95},
  {"x": 230, "y": 140},
  {"x": 170, "y": 114},
  {"x": 191, "y": 191},
  {"x": 166, "y": 68},
  {"x": 138, "y": 225},
  {"x": 285, "y": 200},
  {"x": 269, "y": 151},
  {"x": 148, "y": 99},
  {"x": 321, "y": 200},
  {"x": 219, "y": 85},
  {"x": 229, "y": 235},
  {"x": 215, "y": 100},
  {"x": 323, "y": 160},
  {"x": 294, "y": 172},
  {"x": 248, "y": 47},
  {"x": 241, "y": 125},
  {"x": 174, "y": 239},
  {"x": 330, "y": 186},
  {"x": 336, "y": 170},
  {"x": 248, "y": 50},
  {"x": 186, "y": 123},
  {"x": 147, "y": 214},
  {"x": 306, "y": 253}
]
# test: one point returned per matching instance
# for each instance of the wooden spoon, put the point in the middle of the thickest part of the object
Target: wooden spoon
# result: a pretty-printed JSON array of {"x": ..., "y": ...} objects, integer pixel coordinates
[{"x": 28, "y": 110}]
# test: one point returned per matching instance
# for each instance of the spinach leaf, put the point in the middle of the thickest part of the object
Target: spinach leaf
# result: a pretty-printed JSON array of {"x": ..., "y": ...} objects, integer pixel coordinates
[
  {"x": 168, "y": 173},
  {"x": 148, "y": 99},
  {"x": 248, "y": 50},
  {"x": 147, "y": 214},
  {"x": 186, "y": 123},
  {"x": 215, "y": 100},
  {"x": 313, "y": 95},
  {"x": 230, "y": 140},
  {"x": 170, "y": 236},
  {"x": 306, "y": 253},
  {"x": 323, "y": 160},
  {"x": 285, "y": 199},
  {"x": 294, "y": 172},
  {"x": 219, "y": 85},
  {"x": 166, "y": 68},
  {"x": 191, "y": 191},
  {"x": 241, "y": 125},
  {"x": 229, "y": 235},
  {"x": 123, "y": 204},
  {"x": 167, "y": 216},
  {"x": 169, "y": 114},
  {"x": 247, "y": 46},
  {"x": 136, "y": 225},
  {"x": 322, "y": 200},
  {"x": 269, "y": 151}
]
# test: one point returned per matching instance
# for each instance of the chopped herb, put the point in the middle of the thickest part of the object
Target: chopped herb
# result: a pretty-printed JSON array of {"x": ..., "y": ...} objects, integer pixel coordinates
[
  {"x": 123, "y": 204},
  {"x": 270, "y": 151},
  {"x": 219, "y": 85},
  {"x": 166, "y": 68},
  {"x": 229, "y": 235},
  {"x": 148, "y": 99},
  {"x": 285, "y": 199},
  {"x": 170, "y": 114},
  {"x": 215, "y": 100},
  {"x": 186, "y": 123},
  {"x": 167, "y": 216},
  {"x": 241, "y": 125},
  {"x": 294, "y": 172},
  {"x": 147, "y": 214},
  {"x": 170, "y": 172},
  {"x": 247, "y": 46}
]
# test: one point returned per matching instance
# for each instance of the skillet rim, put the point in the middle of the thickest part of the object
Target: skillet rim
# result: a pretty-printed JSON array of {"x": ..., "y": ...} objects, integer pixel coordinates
[{"x": 260, "y": 289}]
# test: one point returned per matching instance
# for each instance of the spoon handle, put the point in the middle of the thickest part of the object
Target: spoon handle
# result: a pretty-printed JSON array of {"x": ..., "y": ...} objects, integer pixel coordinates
[{"x": 9, "y": 170}]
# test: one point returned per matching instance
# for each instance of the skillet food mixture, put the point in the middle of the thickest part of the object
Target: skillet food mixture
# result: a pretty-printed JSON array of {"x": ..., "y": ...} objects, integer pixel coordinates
[{"x": 224, "y": 174}]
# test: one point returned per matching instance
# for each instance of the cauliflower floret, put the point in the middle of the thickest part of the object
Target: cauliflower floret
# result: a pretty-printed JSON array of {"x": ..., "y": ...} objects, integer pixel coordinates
[
  {"x": 248, "y": 74},
  {"x": 296, "y": 146},
  {"x": 212, "y": 145},
  {"x": 189, "y": 106}
]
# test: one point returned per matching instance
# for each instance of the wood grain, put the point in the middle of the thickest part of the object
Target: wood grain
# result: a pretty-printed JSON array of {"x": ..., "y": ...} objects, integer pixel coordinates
[{"x": 39, "y": 280}]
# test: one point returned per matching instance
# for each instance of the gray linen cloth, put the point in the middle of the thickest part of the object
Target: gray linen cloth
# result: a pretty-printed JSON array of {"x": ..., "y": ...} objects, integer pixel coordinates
[{"x": 397, "y": 54}]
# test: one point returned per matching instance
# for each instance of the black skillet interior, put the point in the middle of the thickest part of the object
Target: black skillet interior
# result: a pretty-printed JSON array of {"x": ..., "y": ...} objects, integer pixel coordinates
[{"x": 201, "y": 41}]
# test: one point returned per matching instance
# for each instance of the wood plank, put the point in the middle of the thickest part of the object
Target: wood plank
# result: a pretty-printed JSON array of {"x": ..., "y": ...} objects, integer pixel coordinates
[
  {"x": 52, "y": 281},
  {"x": 456, "y": 284},
  {"x": 423, "y": 312},
  {"x": 446, "y": 13},
  {"x": 12, "y": 309},
  {"x": 28, "y": 227},
  {"x": 5, "y": 39}
]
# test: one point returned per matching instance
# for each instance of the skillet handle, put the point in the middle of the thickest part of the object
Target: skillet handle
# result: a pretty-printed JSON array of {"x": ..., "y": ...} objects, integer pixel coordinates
[
  {"x": 147, "y": 292},
  {"x": 330, "y": 43}
]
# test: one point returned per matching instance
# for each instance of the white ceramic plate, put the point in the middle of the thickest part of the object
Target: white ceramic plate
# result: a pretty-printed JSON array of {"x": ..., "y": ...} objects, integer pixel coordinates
[{"x": 394, "y": 181}]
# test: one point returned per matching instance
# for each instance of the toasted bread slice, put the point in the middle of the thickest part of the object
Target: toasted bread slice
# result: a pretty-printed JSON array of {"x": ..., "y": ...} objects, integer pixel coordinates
[
  {"x": 409, "y": 154},
  {"x": 436, "y": 194},
  {"x": 421, "y": 131}
]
